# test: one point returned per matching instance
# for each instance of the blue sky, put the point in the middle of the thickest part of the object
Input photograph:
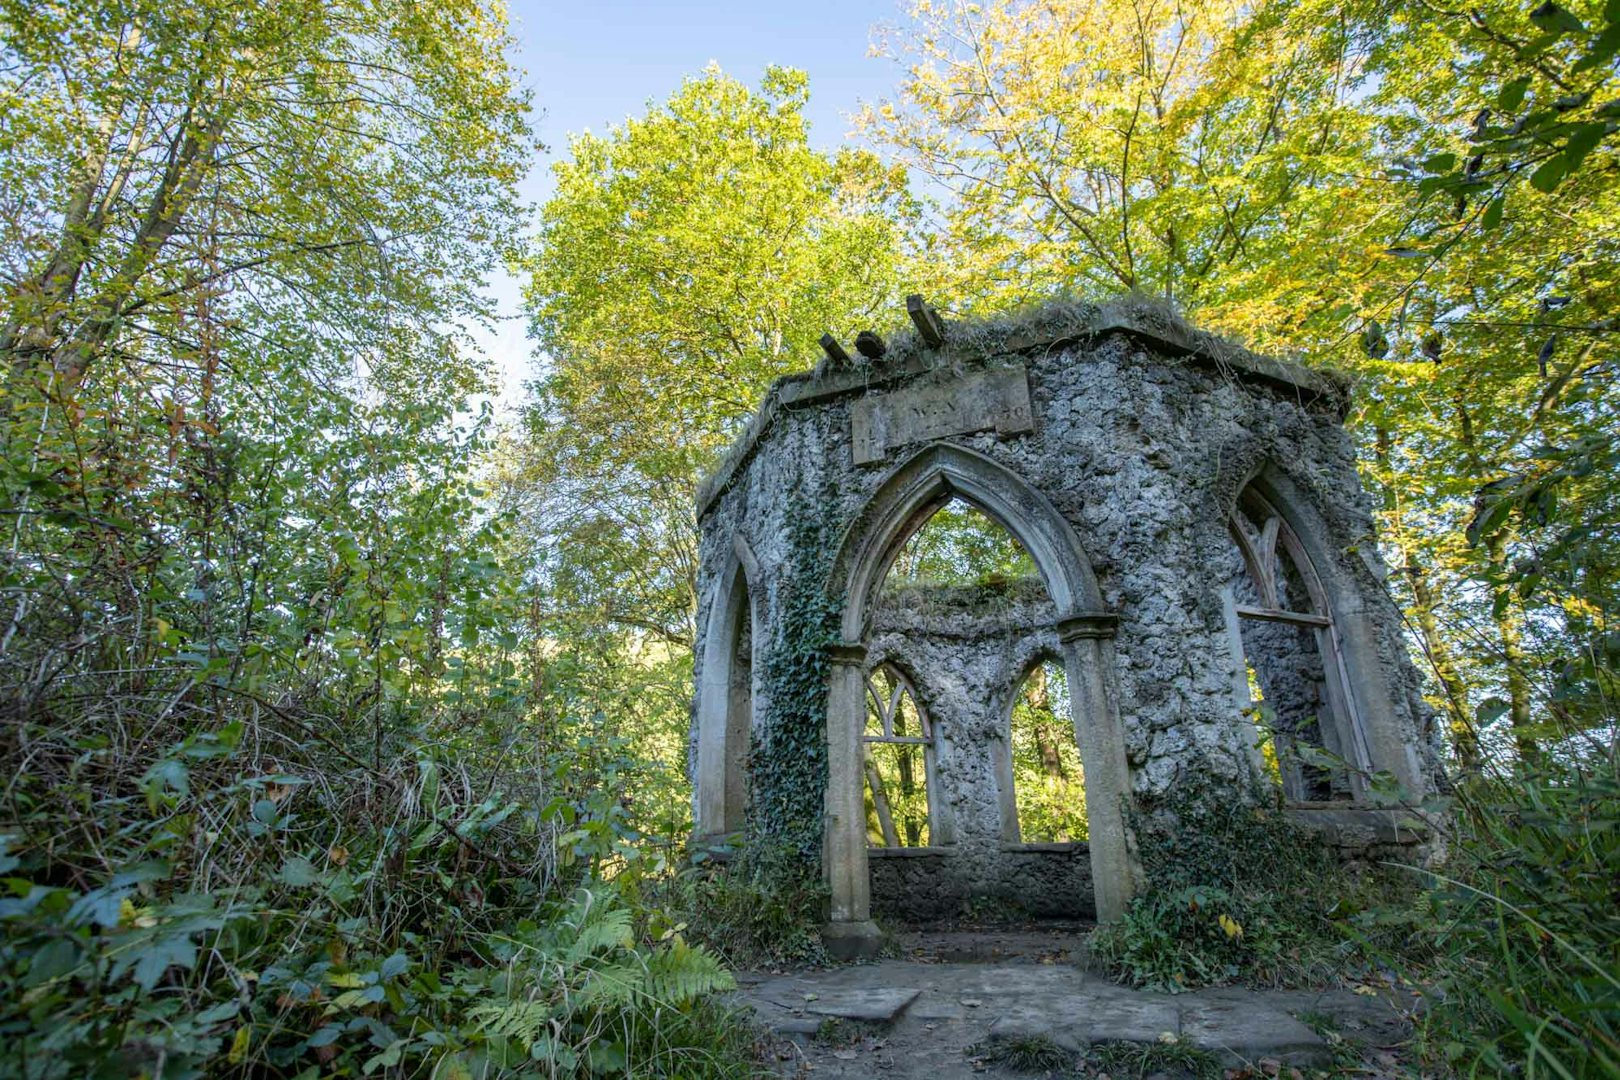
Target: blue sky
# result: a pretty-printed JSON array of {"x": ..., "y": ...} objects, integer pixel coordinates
[{"x": 592, "y": 63}]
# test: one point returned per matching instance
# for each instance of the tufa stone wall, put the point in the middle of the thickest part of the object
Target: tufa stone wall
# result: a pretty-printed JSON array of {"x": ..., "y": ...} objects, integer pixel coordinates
[{"x": 1114, "y": 442}]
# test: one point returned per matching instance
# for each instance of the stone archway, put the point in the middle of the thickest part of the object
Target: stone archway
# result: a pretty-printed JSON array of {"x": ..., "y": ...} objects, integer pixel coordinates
[
  {"x": 726, "y": 700},
  {"x": 1084, "y": 630},
  {"x": 1360, "y": 698}
]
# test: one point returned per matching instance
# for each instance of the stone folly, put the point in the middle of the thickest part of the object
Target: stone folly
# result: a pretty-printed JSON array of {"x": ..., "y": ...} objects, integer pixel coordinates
[{"x": 1209, "y": 589}]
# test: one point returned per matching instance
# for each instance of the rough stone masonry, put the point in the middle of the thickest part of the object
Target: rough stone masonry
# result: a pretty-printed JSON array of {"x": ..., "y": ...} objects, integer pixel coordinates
[{"x": 1210, "y": 585}]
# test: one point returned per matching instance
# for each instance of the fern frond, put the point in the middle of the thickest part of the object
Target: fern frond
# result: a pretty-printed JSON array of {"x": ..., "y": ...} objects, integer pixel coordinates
[
  {"x": 605, "y": 928},
  {"x": 679, "y": 973}
]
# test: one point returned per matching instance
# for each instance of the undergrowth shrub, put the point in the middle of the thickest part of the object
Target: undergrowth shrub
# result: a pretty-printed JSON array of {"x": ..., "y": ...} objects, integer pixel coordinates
[
  {"x": 266, "y": 897},
  {"x": 1235, "y": 894},
  {"x": 758, "y": 909},
  {"x": 1519, "y": 934}
]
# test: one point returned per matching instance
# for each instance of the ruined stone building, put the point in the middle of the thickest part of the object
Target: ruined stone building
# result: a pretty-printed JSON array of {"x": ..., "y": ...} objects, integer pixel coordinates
[{"x": 1201, "y": 596}]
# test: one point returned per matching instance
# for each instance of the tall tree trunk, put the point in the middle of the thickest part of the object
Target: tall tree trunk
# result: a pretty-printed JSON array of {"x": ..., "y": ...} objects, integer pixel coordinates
[
  {"x": 1509, "y": 633},
  {"x": 908, "y": 780},
  {"x": 1460, "y": 725},
  {"x": 880, "y": 803},
  {"x": 1046, "y": 739},
  {"x": 1503, "y": 615}
]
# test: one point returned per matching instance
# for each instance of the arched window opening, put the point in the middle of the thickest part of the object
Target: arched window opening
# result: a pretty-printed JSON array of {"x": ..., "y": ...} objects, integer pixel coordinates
[
  {"x": 739, "y": 709},
  {"x": 1049, "y": 785},
  {"x": 1291, "y": 662},
  {"x": 960, "y": 545},
  {"x": 898, "y": 759}
]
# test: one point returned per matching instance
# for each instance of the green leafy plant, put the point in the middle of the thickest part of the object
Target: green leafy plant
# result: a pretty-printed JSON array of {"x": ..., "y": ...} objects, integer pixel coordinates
[
  {"x": 759, "y": 909},
  {"x": 581, "y": 995},
  {"x": 1025, "y": 1054},
  {"x": 1138, "y": 1060},
  {"x": 1519, "y": 934},
  {"x": 1236, "y": 893}
]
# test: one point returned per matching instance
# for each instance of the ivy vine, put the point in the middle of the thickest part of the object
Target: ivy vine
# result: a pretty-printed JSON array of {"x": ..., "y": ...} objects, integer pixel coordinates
[{"x": 790, "y": 757}]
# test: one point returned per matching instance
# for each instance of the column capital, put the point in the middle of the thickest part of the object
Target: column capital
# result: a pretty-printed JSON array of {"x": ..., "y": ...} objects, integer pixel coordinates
[
  {"x": 852, "y": 653},
  {"x": 1087, "y": 624}
]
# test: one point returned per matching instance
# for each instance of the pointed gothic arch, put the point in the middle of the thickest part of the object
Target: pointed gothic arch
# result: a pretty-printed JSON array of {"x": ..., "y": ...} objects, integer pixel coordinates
[
  {"x": 1302, "y": 580},
  {"x": 899, "y": 506},
  {"x": 726, "y": 698}
]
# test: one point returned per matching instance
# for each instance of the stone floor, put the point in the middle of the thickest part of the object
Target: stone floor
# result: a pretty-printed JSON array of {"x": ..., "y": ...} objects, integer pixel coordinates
[{"x": 937, "y": 1012}]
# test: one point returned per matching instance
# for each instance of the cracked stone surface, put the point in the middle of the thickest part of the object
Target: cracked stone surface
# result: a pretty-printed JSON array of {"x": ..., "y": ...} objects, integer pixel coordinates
[{"x": 925, "y": 1019}]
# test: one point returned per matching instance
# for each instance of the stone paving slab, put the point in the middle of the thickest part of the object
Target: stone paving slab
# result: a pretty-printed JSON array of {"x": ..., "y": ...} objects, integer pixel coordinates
[
  {"x": 1247, "y": 1033},
  {"x": 961, "y": 1004},
  {"x": 874, "y": 1005}
]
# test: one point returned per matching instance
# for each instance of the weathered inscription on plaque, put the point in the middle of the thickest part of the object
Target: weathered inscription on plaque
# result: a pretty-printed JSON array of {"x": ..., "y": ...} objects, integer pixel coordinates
[{"x": 978, "y": 402}]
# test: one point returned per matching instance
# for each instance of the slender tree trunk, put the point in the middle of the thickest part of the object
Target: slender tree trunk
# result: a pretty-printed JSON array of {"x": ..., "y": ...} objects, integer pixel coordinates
[
  {"x": 908, "y": 780},
  {"x": 1046, "y": 739},
  {"x": 1503, "y": 615},
  {"x": 1460, "y": 725},
  {"x": 1509, "y": 633},
  {"x": 880, "y": 803}
]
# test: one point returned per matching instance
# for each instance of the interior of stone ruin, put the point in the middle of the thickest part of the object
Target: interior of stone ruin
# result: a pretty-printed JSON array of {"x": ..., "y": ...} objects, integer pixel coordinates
[
  {"x": 1293, "y": 667},
  {"x": 969, "y": 752}
]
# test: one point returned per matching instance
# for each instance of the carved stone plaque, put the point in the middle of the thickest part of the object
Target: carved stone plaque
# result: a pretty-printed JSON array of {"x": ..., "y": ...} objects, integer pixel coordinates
[{"x": 978, "y": 402}]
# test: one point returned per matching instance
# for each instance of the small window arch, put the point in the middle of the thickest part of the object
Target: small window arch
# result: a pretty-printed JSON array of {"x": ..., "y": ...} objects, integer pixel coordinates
[
  {"x": 1290, "y": 670},
  {"x": 898, "y": 759},
  {"x": 1048, "y": 781}
]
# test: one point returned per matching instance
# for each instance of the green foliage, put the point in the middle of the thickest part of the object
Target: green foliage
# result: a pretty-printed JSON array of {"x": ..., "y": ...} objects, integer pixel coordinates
[
  {"x": 959, "y": 545},
  {"x": 759, "y": 909},
  {"x": 288, "y": 768},
  {"x": 580, "y": 995},
  {"x": 1136, "y": 1061},
  {"x": 1235, "y": 893},
  {"x": 790, "y": 759},
  {"x": 1520, "y": 932},
  {"x": 688, "y": 258},
  {"x": 1048, "y": 780},
  {"x": 896, "y": 771},
  {"x": 253, "y": 914},
  {"x": 1550, "y": 111},
  {"x": 1026, "y": 1054}
]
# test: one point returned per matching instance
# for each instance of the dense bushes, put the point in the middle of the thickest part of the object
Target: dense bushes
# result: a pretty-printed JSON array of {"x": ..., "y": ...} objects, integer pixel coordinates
[
  {"x": 1514, "y": 944},
  {"x": 257, "y": 898},
  {"x": 1236, "y": 893},
  {"x": 295, "y": 782},
  {"x": 762, "y": 907}
]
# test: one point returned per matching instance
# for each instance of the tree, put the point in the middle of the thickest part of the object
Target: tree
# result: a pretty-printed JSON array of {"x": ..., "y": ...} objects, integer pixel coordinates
[
  {"x": 689, "y": 258},
  {"x": 1188, "y": 150},
  {"x": 226, "y": 171},
  {"x": 1343, "y": 184}
]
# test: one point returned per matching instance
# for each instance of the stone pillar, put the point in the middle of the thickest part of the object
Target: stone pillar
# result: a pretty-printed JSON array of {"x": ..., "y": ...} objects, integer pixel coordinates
[
  {"x": 850, "y": 931},
  {"x": 1088, "y": 658}
]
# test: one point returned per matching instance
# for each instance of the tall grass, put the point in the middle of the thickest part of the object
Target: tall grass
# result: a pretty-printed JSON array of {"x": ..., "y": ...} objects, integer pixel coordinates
[{"x": 1519, "y": 935}]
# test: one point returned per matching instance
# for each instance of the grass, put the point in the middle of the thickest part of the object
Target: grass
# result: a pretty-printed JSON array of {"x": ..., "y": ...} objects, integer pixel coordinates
[
  {"x": 1026, "y": 1054},
  {"x": 1138, "y": 1060},
  {"x": 839, "y": 1031}
]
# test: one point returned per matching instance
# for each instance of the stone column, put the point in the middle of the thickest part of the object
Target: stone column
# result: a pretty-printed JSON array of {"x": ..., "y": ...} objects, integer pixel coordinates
[
  {"x": 1088, "y": 658},
  {"x": 850, "y": 931}
]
